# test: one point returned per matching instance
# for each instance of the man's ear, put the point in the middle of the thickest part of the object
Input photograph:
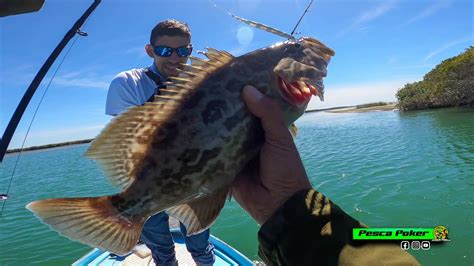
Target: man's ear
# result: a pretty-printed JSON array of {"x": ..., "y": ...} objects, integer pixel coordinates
[{"x": 149, "y": 51}]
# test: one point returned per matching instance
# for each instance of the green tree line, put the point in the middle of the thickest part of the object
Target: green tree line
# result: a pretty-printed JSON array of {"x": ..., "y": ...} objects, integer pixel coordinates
[{"x": 451, "y": 83}]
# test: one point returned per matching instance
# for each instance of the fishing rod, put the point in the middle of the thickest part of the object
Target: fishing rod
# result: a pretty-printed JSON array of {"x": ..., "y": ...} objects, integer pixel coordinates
[
  {"x": 266, "y": 27},
  {"x": 298, "y": 23},
  {"x": 25, "y": 100}
]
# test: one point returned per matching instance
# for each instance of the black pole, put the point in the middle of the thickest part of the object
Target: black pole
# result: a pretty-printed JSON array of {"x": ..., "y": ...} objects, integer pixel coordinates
[
  {"x": 304, "y": 13},
  {"x": 8, "y": 134}
]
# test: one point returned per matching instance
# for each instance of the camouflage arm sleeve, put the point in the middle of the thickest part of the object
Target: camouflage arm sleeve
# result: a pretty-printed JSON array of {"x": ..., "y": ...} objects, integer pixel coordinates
[{"x": 309, "y": 229}]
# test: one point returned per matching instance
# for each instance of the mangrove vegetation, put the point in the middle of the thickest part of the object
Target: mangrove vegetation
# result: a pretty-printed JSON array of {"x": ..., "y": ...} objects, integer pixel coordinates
[{"x": 451, "y": 83}]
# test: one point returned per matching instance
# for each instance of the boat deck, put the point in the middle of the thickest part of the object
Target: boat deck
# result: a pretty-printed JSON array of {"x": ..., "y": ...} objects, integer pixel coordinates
[{"x": 141, "y": 255}]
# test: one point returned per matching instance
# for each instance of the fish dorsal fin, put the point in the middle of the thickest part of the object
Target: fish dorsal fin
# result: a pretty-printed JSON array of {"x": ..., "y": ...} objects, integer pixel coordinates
[
  {"x": 221, "y": 56},
  {"x": 196, "y": 61},
  {"x": 199, "y": 69},
  {"x": 123, "y": 143},
  {"x": 217, "y": 57}
]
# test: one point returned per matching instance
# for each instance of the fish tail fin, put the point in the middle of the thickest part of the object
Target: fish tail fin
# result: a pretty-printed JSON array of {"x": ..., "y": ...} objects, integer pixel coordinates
[{"x": 93, "y": 221}]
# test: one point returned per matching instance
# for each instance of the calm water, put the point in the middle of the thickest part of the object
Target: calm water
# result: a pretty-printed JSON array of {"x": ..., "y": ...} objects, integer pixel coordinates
[{"x": 387, "y": 169}]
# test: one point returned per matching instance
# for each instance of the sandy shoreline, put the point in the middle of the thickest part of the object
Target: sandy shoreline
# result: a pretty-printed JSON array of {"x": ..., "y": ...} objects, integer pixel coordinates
[
  {"x": 49, "y": 146},
  {"x": 355, "y": 109},
  {"x": 358, "y": 109}
]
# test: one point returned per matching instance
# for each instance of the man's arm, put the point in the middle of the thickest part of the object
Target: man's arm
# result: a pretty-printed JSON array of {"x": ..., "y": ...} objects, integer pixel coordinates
[
  {"x": 309, "y": 229},
  {"x": 121, "y": 95},
  {"x": 300, "y": 226}
]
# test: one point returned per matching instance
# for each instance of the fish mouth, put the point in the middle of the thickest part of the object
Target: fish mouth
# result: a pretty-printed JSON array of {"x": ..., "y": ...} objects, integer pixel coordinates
[{"x": 299, "y": 92}]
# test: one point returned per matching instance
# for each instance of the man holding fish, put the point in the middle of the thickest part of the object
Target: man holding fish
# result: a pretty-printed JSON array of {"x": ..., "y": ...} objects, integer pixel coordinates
[
  {"x": 170, "y": 46},
  {"x": 198, "y": 142},
  {"x": 277, "y": 189},
  {"x": 300, "y": 226}
]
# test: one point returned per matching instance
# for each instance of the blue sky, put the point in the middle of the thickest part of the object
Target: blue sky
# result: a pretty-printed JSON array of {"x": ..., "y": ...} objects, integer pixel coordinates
[{"x": 380, "y": 46}]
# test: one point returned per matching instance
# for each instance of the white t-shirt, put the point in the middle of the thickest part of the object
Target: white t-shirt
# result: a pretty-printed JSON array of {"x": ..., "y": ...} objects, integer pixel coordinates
[{"x": 127, "y": 89}]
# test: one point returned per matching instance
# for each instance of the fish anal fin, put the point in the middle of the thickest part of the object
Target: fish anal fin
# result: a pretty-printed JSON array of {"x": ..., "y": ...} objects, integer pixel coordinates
[
  {"x": 199, "y": 214},
  {"x": 92, "y": 221}
]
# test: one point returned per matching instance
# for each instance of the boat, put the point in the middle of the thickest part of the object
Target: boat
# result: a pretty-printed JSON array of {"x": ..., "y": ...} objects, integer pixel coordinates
[{"x": 141, "y": 255}]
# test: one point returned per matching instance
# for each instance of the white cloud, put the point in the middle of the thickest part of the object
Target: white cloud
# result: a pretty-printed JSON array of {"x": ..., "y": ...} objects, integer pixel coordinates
[
  {"x": 369, "y": 15},
  {"x": 85, "y": 79},
  {"x": 349, "y": 95},
  {"x": 79, "y": 79},
  {"x": 71, "y": 75},
  {"x": 428, "y": 11},
  {"x": 22, "y": 74},
  {"x": 447, "y": 46}
]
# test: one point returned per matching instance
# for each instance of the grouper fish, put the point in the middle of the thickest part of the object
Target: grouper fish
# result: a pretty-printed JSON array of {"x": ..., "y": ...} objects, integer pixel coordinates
[{"x": 181, "y": 153}]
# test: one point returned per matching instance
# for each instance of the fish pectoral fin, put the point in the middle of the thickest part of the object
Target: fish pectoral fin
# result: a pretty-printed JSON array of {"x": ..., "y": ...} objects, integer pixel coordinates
[
  {"x": 293, "y": 130},
  {"x": 199, "y": 214},
  {"x": 92, "y": 221}
]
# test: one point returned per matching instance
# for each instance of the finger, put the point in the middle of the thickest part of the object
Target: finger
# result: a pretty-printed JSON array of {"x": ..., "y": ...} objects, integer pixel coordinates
[{"x": 269, "y": 112}]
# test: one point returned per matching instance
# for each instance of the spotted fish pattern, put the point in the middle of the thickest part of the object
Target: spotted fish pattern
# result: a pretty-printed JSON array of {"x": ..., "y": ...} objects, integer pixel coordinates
[{"x": 181, "y": 152}]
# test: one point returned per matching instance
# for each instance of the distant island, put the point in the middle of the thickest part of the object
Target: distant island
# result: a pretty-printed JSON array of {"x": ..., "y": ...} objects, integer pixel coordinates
[
  {"x": 368, "y": 107},
  {"x": 48, "y": 146},
  {"x": 449, "y": 84}
]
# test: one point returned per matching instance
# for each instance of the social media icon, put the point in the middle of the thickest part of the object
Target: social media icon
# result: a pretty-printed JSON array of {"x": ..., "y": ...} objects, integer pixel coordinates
[
  {"x": 425, "y": 245},
  {"x": 415, "y": 245},
  {"x": 405, "y": 245}
]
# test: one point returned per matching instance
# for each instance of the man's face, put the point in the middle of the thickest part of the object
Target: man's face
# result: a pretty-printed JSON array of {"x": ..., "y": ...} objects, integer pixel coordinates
[{"x": 167, "y": 65}]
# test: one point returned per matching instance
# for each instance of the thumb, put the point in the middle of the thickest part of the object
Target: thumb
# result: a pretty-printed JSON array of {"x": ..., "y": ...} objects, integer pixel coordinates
[{"x": 269, "y": 113}]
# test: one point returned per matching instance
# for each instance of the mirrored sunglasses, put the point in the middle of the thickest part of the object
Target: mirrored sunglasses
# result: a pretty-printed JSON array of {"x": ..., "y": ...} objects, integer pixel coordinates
[{"x": 165, "y": 51}]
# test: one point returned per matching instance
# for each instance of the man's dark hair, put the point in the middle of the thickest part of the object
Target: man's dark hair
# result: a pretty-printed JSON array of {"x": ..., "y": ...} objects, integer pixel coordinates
[{"x": 169, "y": 27}]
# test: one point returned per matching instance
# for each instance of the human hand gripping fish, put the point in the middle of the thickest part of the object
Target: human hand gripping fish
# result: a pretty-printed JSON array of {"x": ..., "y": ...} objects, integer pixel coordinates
[
  {"x": 278, "y": 172},
  {"x": 182, "y": 152},
  {"x": 299, "y": 225}
]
